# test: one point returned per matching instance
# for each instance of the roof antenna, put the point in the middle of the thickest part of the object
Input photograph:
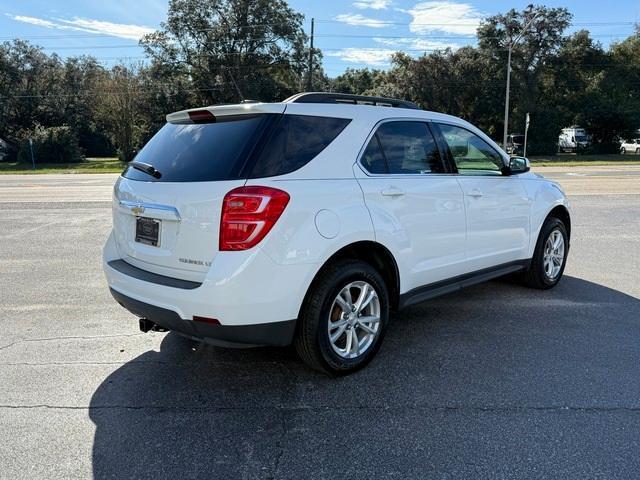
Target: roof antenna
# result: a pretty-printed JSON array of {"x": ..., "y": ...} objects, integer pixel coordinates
[{"x": 233, "y": 80}]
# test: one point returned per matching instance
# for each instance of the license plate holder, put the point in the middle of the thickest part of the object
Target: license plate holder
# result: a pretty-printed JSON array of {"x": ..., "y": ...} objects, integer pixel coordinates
[{"x": 148, "y": 231}]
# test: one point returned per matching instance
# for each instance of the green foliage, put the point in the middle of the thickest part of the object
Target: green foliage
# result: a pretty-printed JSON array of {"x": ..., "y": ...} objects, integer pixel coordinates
[
  {"x": 50, "y": 145},
  {"x": 233, "y": 49},
  {"x": 359, "y": 81}
]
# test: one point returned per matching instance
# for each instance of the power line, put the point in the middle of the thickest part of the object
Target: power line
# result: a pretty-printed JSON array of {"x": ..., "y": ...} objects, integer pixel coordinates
[
  {"x": 470, "y": 37},
  {"x": 98, "y": 34},
  {"x": 471, "y": 23},
  {"x": 384, "y": 22}
]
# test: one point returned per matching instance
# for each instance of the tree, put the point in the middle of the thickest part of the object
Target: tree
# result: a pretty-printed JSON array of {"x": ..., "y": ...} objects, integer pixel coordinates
[
  {"x": 80, "y": 77},
  {"x": 29, "y": 85},
  {"x": 233, "y": 49},
  {"x": 358, "y": 81},
  {"x": 120, "y": 109},
  {"x": 530, "y": 56}
]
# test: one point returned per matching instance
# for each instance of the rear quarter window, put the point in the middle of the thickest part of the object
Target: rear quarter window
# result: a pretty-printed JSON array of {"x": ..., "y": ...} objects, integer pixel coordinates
[{"x": 294, "y": 142}]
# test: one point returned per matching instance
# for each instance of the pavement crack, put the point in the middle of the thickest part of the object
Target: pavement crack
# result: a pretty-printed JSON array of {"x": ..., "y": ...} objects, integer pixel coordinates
[
  {"x": 133, "y": 362},
  {"x": 305, "y": 409},
  {"x": 279, "y": 446},
  {"x": 27, "y": 340}
]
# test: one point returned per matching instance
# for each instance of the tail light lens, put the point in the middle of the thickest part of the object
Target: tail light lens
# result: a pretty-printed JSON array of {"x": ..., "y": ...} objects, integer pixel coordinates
[{"x": 248, "y": 213}]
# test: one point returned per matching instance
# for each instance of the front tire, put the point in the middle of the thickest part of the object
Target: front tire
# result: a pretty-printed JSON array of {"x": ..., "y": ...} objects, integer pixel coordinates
[
  {"x": 550, "y": 256},
  {"x": 623, "y": 150},
  {"x": 344, "y": 318}
]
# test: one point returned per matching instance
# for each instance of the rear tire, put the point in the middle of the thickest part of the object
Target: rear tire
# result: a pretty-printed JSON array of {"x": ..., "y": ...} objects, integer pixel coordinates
[
  {"x": 623, "y": 150},
  {"x": 335, "y": 335},
  {"x": 550, "y": 256}
]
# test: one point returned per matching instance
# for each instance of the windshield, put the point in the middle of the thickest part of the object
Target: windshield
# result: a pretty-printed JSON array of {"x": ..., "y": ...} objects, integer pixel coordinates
[{"x": 518, "y": 139}]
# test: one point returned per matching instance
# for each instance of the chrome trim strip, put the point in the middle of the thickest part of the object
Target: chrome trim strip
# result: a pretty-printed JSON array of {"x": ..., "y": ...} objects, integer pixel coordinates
[{"x": 138, "y": 208}]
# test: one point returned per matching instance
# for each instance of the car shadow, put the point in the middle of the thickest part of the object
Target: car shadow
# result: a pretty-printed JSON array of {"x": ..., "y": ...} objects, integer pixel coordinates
[{"x": 191, "y": 411}]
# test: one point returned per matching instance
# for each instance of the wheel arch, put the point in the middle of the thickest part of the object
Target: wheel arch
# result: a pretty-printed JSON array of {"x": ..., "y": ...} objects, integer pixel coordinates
[
  {"x": 562, "y": 213},
  {"x": 375, "y": 254}
]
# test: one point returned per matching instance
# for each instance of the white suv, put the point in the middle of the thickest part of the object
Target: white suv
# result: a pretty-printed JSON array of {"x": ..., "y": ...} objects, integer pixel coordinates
[{"x": 308, "y": 221}]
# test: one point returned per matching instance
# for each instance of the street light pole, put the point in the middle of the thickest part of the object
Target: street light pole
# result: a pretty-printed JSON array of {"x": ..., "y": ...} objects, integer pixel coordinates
[
  {"x": 506, "y": 99},
  {"x": 310, "y": 78}
]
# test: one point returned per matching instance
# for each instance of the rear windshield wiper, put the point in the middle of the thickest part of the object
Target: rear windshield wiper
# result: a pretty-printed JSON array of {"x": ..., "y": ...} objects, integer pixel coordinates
[{"x": 146, "y": 168}]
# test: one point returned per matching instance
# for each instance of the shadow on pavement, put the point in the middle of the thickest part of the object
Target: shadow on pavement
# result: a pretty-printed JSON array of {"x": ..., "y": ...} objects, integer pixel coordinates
[{"x": 494, "y": 381}]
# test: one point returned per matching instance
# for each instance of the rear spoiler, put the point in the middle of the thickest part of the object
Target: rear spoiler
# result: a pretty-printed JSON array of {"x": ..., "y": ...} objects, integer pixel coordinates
[{"x": 209, "y": 114}]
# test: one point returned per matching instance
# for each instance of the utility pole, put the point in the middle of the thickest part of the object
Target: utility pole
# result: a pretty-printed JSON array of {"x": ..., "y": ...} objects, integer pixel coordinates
[
  {"x": 506, "y": 100},
  {"x": 33, "y": 159},
  {"x": 310, "y": 79},
  {"x": 526, "y": 130}
]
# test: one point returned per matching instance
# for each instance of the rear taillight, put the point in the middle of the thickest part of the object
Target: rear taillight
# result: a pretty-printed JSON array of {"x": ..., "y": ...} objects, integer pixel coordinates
[{"x": 248, "y": 213}]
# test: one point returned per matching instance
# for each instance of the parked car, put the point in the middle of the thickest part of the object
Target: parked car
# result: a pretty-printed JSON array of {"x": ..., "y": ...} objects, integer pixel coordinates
[
  {"x": 515, "y": 144},
  {"x": 573, "y": 139},
  {"x": 308, "y": 221},
  {"x": 632, "y": 146}
]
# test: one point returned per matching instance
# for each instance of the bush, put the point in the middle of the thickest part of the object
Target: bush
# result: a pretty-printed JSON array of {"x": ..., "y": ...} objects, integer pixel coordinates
[{"x": 50, "y": 145}]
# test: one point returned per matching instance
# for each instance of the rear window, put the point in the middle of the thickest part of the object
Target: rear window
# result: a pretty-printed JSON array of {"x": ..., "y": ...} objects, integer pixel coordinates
[
  {"x": 201, "y": 152},
  {"x": 240, "y": 147},
  {"x": 295, "y": 141}
]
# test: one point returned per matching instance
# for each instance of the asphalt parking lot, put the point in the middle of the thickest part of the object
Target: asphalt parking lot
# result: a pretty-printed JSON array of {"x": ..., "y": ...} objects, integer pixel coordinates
[{"x": 497, "y": 381}]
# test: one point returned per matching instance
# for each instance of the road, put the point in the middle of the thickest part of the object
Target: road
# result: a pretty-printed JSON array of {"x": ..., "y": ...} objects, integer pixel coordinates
[{"x": 497, "y": 381}]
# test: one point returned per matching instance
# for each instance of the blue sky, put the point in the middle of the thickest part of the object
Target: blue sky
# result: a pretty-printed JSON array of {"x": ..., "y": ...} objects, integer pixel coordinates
[{"x": 352, "y": 33}]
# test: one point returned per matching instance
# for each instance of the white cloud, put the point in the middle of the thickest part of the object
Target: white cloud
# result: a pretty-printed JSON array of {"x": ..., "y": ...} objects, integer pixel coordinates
[
  {"x": 120, "y": 30},
  {"x": 416, "y": 44},
  {"x": 361, "y": 21},
  {"x": 377, "y": 57},
  {"x": 372, "y": 4},
  {"x": 445, "y": 16},
  {"x": 33, "y": 21},
  {"x": 381, "y": 57}
]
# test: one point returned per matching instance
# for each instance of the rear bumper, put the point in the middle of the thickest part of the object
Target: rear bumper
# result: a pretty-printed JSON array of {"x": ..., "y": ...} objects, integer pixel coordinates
[
  {"x": 241, "y": 288},
  {"x": 274, "y": 334}
]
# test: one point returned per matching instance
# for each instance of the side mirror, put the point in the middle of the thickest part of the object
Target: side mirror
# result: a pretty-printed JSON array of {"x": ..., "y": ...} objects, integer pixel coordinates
[{"x": 517, "y": 165}]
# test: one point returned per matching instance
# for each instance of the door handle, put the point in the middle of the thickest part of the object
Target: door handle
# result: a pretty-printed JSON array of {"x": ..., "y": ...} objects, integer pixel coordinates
[
  {"x": 475, "y": 193},
  {"x": 392, "y": 192}
]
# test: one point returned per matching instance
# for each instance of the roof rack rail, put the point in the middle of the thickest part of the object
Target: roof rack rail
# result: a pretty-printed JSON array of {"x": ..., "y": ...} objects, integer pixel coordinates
[{"x": 349, "y": 99}]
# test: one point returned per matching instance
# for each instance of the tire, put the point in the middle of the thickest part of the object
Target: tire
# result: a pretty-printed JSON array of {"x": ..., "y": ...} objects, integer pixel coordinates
[
  {"x": 537, "y": 275},
  {"x": 623, "y": 150},
  {"x": 312, "y": 340},
  {"x": 637, "y": 151}
]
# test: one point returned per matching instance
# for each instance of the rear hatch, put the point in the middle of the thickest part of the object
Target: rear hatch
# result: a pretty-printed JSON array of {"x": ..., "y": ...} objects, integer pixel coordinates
[{"x": 166, "y": 212}]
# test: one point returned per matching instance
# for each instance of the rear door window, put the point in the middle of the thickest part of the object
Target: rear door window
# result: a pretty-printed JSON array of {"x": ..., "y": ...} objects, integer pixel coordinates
[
  {"x": 295, "y": 141},
  {"x": 407, "y": 147}
]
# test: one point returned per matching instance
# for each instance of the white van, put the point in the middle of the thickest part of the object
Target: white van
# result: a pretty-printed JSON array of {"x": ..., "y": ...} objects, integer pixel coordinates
[{"x": 573, "y": 139}]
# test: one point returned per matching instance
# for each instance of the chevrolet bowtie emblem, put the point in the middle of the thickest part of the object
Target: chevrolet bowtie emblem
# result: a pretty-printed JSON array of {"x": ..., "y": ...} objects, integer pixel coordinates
[{"x": 137, "y": 210}]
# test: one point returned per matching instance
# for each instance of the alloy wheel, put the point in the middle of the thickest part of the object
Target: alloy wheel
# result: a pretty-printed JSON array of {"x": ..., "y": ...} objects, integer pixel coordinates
[
  {"x": 553, "y": 258},
  {"x": 354, "y": 320}
]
